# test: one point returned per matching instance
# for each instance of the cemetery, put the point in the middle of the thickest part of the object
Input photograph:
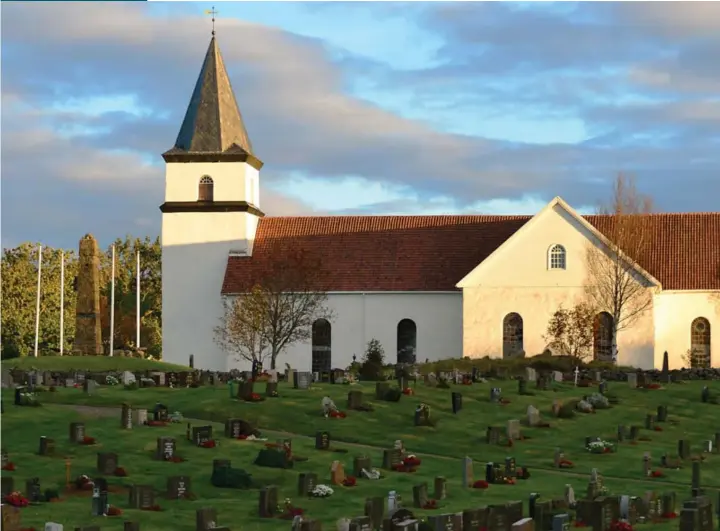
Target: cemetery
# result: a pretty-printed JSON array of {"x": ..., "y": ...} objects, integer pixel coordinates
[{"x": 475, "y": 448}]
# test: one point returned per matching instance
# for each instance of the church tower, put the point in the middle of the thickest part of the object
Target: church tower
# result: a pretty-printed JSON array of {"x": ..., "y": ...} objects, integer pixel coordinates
[{"x": 211, "y": 210}]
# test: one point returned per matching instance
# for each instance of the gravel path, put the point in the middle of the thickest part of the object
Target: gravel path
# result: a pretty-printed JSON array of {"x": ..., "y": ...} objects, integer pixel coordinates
[{"x": 108, "y": 411}]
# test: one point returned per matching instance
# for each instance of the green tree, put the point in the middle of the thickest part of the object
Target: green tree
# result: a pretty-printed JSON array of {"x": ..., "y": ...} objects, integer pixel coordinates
[
  {"x": 373, "y": 360},
  {"x": 571, "y": 331},
  {"x": 19, "y": 291}
]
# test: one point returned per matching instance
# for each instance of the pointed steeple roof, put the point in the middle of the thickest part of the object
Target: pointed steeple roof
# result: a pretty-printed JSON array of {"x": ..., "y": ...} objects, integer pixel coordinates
[{"x": 213, "y": 128}]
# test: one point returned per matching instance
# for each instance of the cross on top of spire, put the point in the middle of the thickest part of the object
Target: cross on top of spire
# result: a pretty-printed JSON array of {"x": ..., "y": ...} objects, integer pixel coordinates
[{"x": 212, "y": 12}]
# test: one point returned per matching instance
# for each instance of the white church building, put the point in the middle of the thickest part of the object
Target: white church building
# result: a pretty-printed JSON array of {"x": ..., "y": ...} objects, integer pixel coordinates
[{"x": 438, "y": 286}]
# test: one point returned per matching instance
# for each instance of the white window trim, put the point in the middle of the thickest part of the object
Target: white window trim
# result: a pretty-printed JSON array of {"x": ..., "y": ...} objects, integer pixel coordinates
[{"x": 549, "y": 256}]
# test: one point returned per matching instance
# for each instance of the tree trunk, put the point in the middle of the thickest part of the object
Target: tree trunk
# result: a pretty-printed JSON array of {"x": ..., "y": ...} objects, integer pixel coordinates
[
  {"x": 273, "y": 358},
  {"x": 614, "y": 342}
]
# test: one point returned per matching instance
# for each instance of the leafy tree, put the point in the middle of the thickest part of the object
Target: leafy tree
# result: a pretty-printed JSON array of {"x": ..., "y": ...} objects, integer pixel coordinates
[
  {"x": 19, "y": 291},
  {"x": 571, "y": 330},
  {"x": 373, "y": 361},
  {"x": 613, "y": 284},
  {"x": 283, "y": 302}
]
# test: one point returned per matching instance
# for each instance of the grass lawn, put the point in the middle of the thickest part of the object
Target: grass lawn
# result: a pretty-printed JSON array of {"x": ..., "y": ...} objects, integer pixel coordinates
[
  {"x": 89, "y": 363},
  {"x": 298, "y": 413}
]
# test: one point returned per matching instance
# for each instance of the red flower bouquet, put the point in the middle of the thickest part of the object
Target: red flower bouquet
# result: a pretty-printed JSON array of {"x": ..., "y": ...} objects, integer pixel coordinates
[
  {"x": 349, "y": 481},
  {"x": 290, "y": 512},
  {"x": 504, "y": 401},
  {"x": 208, "y": 444},
  {"x": 16, "y": 499},
  {"x": 120, "y": 472},
  {"x": 669, "y": 515},
  {"x": 114, "y": 511},
  {"x": 621, "y": 526},
  {"x": 87, "y": 440},
  {"x": 176, "y": 459},
  {"x": 155, "y": 508},
  {"x": 409, "y": 464},
  {"x": 430, "y": 504},
  {"x": 565, "y": 463},
  {"x": 652, "y": 386},
  {"x": 658, "y": 428},
  {"x": 156, "y": 423},
  {"x": 10, "y": 467},
  {"x": 480, "y": 484},
  {"x": 84, "y": 483},
  {"x": 335, "y": 414},
  {"x": 408, "y": 391},
  {"x": 254, "y": 397},
  {"x": 241, "y": 437},
  {"x": 509, "y": 481},
  {"x": 580, "y": 523},
  {"x": 657, "y": 474}
]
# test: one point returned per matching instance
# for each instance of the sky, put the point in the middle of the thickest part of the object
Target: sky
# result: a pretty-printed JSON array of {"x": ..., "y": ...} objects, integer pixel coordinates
[{"x": 360, "y": 108}]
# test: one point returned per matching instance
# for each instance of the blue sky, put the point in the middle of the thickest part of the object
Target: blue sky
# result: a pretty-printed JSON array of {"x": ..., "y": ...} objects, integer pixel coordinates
[{"x": 370, "y": 108}]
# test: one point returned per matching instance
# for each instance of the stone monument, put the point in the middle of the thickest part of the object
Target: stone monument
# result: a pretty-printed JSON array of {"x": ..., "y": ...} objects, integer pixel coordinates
[{"x": 88, "y": 333}]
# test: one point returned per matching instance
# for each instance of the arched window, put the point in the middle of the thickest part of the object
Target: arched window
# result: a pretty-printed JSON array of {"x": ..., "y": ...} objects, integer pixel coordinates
[
  {"x": 321, "y": 346},
  {"x": 700, "y": 343},
  {"x": 205, "y": 189},
  {"x": 557, "y": 257},
  {"x": 602, "y": 337},
  {"x": 406, "y": 341},
  {"x": 512, "y": 335}
]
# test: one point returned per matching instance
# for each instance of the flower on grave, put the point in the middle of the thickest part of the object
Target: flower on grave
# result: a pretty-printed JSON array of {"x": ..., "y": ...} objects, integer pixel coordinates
[
  {"x": 411, "y": 461},
  {"x": 373, "y": 473},
  {"x": 254, "y": 397},
  {"x": 321, "y": 491},
  {"x": 510, "y": 443},
  {"x": 176, "y": 417},
  {"x": 274, "y": 394},
  {"x": 657, "y": 428},
  {"x": 120, "y": 472},
  {"x": 241, "y": 437},
  {"x": 156, "y": 423},
  {"x": 176, "y": 459},
  {"x": 16, "y": 499},
  {"x": 87, "y": 440},
  {"x": 208, "y": 444},
  {"x": 657, "y": 474},
  {"x": 480, "y": 484},
  {"x": 504, "y": 401},
  {"x": 155, "y": 508},
  {"x": 9, "y": 466},
  {"x": 430, "y": 504},
  {"x": 84, "y": 483},
  {"x": 565, "y": 463},
  {"x": 114, "y": 511},
  {"x": 408, "y": 391},
  {"x": 652, "y": 386},
  {"x": 579, "y": 523},
  {"x": 111, "y": 380},
  {"x": 670, "y": 515},
  {"x": 523, "y": 473},
  {"x": 424, "y": 409},
  {"x": 335, "y": 414},
  {"x": 600, "y": 447},
  {"x": 349, "y": 481},
  {"x": 621, "y": 525},
  {"x": 509, "y": 481}
]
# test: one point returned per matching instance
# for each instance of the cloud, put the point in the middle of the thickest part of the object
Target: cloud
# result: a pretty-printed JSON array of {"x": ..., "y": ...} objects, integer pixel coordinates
[{"x": 92, "y": 94}]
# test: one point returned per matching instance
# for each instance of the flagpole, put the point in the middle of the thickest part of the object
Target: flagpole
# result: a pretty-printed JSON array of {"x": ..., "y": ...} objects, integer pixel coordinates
[
  {"x": 112, "y": 303},
  {"x": 137, "y": 294},
  {"x": 37, "y": 301},
  {"x": 62, "y": 301}
]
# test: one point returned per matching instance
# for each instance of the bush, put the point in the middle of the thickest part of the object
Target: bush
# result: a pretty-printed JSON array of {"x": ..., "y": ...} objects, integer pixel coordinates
[
  {"x": 231, "y": 478},
  {"x": 393, "y": 394},
  {"x": 567, "y": 410},
  {"x": 372, "y": 367},
  {"x": 270, "y": 457}
]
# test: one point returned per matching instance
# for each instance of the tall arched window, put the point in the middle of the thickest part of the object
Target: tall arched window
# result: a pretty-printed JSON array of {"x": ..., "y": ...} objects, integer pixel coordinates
[
  {"x": 557, "y": 257},
  {"x": 406, "y": 341},
  {"x": 700, "y": 343},
  {"x": 321, "y": 346},
  {"x": 205, "y": 189},
  {"x": 512, "y": 335},
  {"x": 602, "y": 337}
]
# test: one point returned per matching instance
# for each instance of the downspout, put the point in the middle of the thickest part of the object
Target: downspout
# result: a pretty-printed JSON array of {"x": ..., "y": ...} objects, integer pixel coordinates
[{"x": 364, "y": 341}]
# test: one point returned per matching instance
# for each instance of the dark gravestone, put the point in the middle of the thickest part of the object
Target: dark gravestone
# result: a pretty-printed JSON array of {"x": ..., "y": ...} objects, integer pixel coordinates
[
  {"x": 420, "y": 495},
  {"x": 165, "y": 450},
  {"x": 201, "y": 434},
  {"x": 131, "y": 526},
  {"x": 498, "y": 519},
  {"x": 375, "y": 510},
  {"x": 662, "y": 414},
  {"x": 684, "y": 449},
  {"x": 271, "y": 389},
  {"x": 359, "y": 463},
  {"x": 360, "y": 523},
  {"x": 178, "y": 487},
  {"x": 474, "y": 519},
  {"x": 268, "y": 502},
  {"x": 234, "y": 428},
  {"x": 77, "y": 432},
  {"x": 32, "y": 490},
  {"x": 440, "y": 488},
  {"x": 456, "y": 402},
  {"x": 141, "y": 497},
  {"x": 322, "y": 440},
  {"x": 205, "y": 518},
  {"x": 8, "y": 485},
  {"x": 381, "y": 389},
  {"x": 107, "y": 463},
  {"x": 354, "y": 400},
  {"x": 391, "y": 458},
  {"x": 695, "y": 481},
  {"x": 47, "y": 446},
  {"x": 445, "y": 522},
  {"x": 306, "y": 483}
]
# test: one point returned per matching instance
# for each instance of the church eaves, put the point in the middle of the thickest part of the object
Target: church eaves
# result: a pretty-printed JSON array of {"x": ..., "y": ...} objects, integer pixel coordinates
[{"x": 213, "y": 129}]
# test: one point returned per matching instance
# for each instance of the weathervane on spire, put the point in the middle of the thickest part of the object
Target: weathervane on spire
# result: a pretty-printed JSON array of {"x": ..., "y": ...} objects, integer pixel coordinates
[{"x": 213, "y": 13}]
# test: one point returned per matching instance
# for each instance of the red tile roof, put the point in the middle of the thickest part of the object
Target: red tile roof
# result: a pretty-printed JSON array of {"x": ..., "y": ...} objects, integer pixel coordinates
[{"x": 433, "y": 253}]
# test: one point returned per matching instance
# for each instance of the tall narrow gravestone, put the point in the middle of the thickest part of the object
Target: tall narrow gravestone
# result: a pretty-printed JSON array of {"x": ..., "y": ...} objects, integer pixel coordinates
[{"x": 88, "y": 334}]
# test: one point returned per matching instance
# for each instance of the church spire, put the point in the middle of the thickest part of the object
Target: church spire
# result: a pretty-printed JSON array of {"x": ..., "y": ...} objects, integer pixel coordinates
[{"x": 213, "y": 128}]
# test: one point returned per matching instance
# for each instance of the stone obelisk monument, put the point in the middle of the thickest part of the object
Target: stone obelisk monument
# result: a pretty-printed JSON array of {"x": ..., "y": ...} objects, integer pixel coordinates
[{"x": 88, "y": 333}]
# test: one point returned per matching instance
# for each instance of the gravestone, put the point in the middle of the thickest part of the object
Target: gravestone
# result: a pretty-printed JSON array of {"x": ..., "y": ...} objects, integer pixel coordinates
[
  {"x": 77, "y": 432},
  {"x": 467, "y": 472},
  {"x": 178, "y": 487},
  {"x": 165, "y": 449},
  {"x": 446, "y": 522},
  {"x": 107, "y": 463},
  {"x": 456, "y": 399},
  {"x": 301, "y": 380},
  {"x": 474, "y": 519},
  {"x": 8, "y": 485},
  {"x": 632, "y": 380},
  {"x": 126, "y": 420},
  {"x": 337, "y": 473},
  {"x": 32, "y": 490},
  {"x": 47, "y": 446},
  {"x": 375, "y": 510},
  {"x": 440, "y": 488},
  {"x": 354, "y": 400},
  {"x": 392, "y": 458},
  {"x": 268, "y": 502},
  {"x": 533, "y": 416},
  {"x": 88, "y": 332},
  {"x": 513, "y": 429},
  {"x": 526, "y": 524},
  {"x": 141, "y": 496},
  {"x": 205, "y": 519},
  {"x": 360, "y": 463},
  {"x": 140, "y": 417},
  {"x": 662, "y": 413},
  {"x": 684, "y": 449},
  {"x": 322, "y": 440},
  {"x": 561, "y": 522},
  {"x": 360, "y": 523},
  {"x": 201, "y": 435},
  {"x": 420, "y": 495},
  {"x": 306, "y": 483}
]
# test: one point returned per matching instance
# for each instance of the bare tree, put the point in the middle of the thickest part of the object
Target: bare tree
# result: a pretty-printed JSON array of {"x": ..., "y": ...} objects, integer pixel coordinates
[
  {"x": 240, "y": 332},
  {"x": 613, "y": 284},
  {"x": 571, "y": 330},
  {"x": 283, "y": 303}
]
